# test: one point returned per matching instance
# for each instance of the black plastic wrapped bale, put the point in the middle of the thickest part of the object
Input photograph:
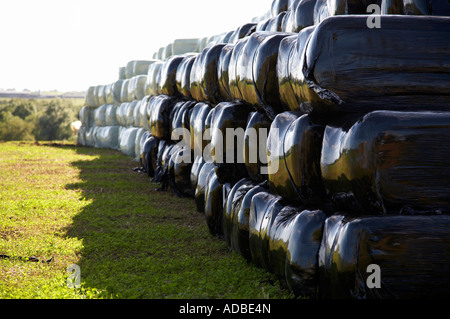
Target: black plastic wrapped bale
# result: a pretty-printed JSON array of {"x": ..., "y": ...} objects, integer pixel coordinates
[
  {"x": 181, "y": 116},
  {"x": 183, "y": 76},
  {"x": 286, "y": 24},
  {"x": 149, "y": 154},
  {"x": 173, "y": 118},
  {"x": 195, "y": 80},
  {"x": 278, "y": 175},
  {"x": 294, "y": 238},
  {"x": 202, "y": 181},
  {"x": 256, "y": 73},
  {"x": 225, "y": 37},
  {"x": 227, "y": 140},
  {"x": 197, "y": 165},
  {"x": 162, "y": 164},
  {"x": 228, "y": 208},
  {"x": 198, "y": 126},
  {"x": 303, "y": 15},
  {"x": 159, "y": 120},
  {"x": 410, "y": 254},
  {"x": 242, "y": 32},
  {"x": 214, "y": 205},
  {"x": 416, "y": 7},
  {"x": 302, "y": 153},
  {"x": 153, "y": 77},
  {"x": 180, "y": 171},
  {"x": 240, "y": 213},
  {"x": 210, "y": 80},
  {"x": 144, "y": 137},
  {"x": 255, "y": 145},
  {"x": 404, "y": 65},
  {"x": 294, "y": 67},
  {"x": 264, "y": 208},
  {"x": 191, "y": 123},
  {"x": 390, "y": 162},
  {"x": 275, "y": 24},
  {"x": 222, "y": 72},
  {"x": 287, "y": 46},
  {"x": 244, "y": 67},
  {"x": 233, "y": 75},
  {"x": 186, "y": 124},
  {"x": 265, "y": 74},
  {"x": 326, "y": 8},
  {"x": 278, "y": 6},
  {"x": 168, "y": 74},
  {"x": 305, "y": 237}
]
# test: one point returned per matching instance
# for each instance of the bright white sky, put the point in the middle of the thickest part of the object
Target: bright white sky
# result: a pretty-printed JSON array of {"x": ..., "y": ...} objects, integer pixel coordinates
[{"x": 73, "y": 44}]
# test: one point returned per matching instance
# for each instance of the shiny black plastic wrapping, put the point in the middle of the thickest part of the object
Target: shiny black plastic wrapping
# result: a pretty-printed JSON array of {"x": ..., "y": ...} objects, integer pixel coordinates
[
  {"x": 262, "y": 25},
  {"x": 168, "y": 76},
  {"x": 390, "y": 162},
  {"x": 275, "y": 24},
  {"x": 162, "y": 164},
  {"x": 186, "y": 124},
  {"x": 411, "y": 251},
  {"x": 244, "y": 67},
  {"x": 237, "y": 215},
  {"x": 196, "y": 108},
  {"x": 214, "y": 205},
  {"x": 287, "y": 48},
  {"x": 255, "y": 145},
  {"x": 180, "y": 116},
  {"x": 149, "y": 153},
  {"x": 285, "y": 240},
  {"x": 265, "y": 75},
  {"x": 404, "y": 65},
  {"x": 302, "y": 249},
  {"x": 228, "y": 212},
  {"x": 278, "y": 176},
  {"x": 160, "y": 109},
  {"x": 195, "y": 170},
  {"x": 327, "y": 8},
  {"x": 290, "y": 71},
  {"x": 198, "y": 122},
  {"x": 265, "y": 207},
  {"x": 302, "y": 16},
  {"x": 201, "y": 184},
  {"x": 154, "y": 70},
  {"x": 222, "y": 71},
  {"x": 302, "y": 153},
  {"x": 233, "y": 76},
  {"x": 416, "y": 7},
  {"x": 278, "y": 6},
  {"x": 210, "y": 80},
  {"x": 195, "y": 81},
  {"x": 227, "y": 131},
  {"x": 253, "y": 74},
  {"x": 204, "y": 75},
  {"x": 141, "y": 154},
  {"x": 183, "y": 76},
  {"x": 242, "y": 32},
  {"x": 179, "y": 171}
]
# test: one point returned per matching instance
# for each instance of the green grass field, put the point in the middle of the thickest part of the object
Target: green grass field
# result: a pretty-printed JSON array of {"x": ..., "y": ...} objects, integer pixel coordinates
[{"x": 87, "y": 207}]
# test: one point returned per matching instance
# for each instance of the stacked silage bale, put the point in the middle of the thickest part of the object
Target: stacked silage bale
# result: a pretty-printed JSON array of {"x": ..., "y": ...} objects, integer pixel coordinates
[{"x": 313, "y": 144}]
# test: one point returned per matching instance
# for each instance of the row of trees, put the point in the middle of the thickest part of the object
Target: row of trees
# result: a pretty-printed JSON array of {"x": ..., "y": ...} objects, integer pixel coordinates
[{"x": 38, "y": 119}]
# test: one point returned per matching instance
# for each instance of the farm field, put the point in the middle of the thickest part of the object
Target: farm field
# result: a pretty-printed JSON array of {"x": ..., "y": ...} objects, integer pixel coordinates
[{"x": 84, "y": 206}]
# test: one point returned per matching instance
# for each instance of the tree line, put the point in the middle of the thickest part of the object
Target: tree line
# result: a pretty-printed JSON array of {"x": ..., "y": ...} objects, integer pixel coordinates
[{"x": 38, "y": 119}]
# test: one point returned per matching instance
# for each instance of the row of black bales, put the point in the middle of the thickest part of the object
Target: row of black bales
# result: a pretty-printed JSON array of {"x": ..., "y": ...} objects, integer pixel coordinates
[{"x": 354, "y": 168}]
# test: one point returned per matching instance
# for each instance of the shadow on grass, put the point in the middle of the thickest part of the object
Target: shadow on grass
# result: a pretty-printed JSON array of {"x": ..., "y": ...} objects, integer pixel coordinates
[{"x": 138, "y": 242}]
